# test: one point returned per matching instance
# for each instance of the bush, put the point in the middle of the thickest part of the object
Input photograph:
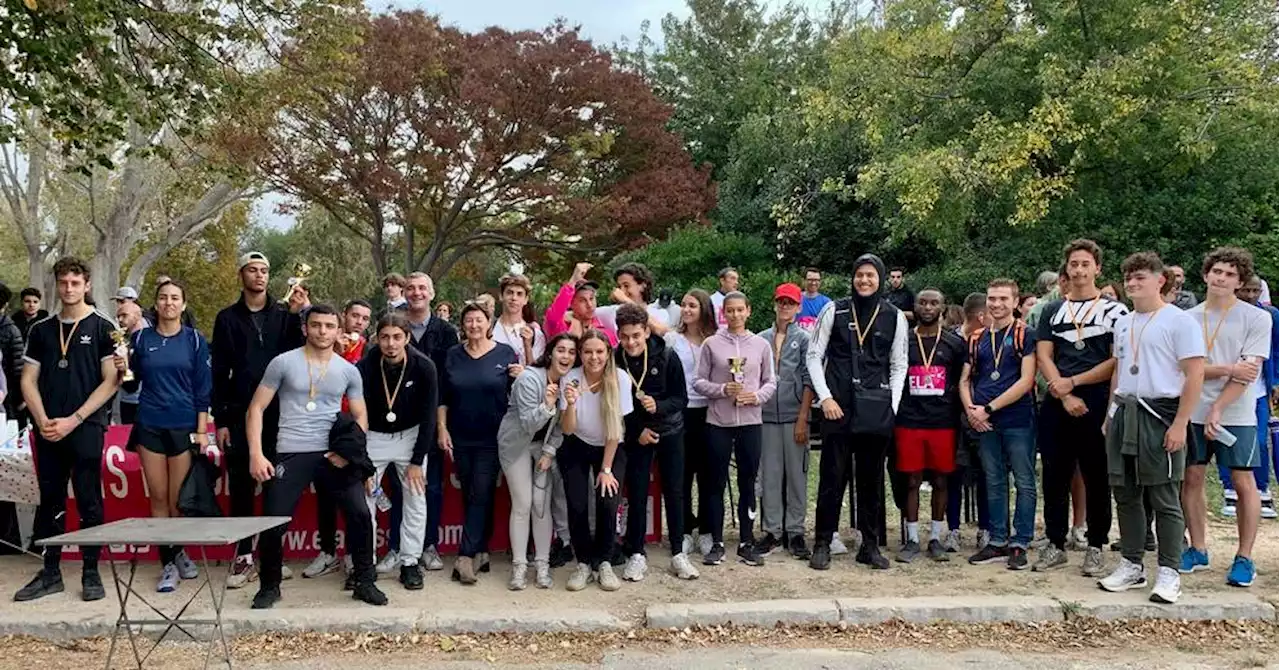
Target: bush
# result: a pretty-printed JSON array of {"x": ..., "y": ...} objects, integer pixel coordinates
[{"x": 691, "y": 257}]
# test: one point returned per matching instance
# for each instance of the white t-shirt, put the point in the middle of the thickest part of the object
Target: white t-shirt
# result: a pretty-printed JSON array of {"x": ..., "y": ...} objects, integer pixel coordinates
[
  {"x": 717, "y": 306},
  {"x": 688, "y": 353},
  {"x": 590, "y": 422},
  {"x": 608, "y": 316},
  {"x": 504, "y": 334},
  {"x": 1245, "y": 333},
  {"x": 1168, "y": 336}
]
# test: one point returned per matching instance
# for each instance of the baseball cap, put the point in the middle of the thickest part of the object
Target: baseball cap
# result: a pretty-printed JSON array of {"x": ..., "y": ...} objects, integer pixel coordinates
[
  {"x": 126, "y": 293},
  {"x": 253, "y": 257},
  {"x": 788, "y": 291},
  {"x": 586, "y": 284}
]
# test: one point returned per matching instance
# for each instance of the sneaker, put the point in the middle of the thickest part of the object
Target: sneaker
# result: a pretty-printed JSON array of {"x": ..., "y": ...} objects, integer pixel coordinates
[
  {"x": 1039, "y": 543},
  {"x": 1229, "y": 496},
  {"x": 368, "y": 592},
  {"x": 1268, "y": 506},
  {"x": 715, "y": 556},
  {"x": 561, "y": 553},
  {"x": 705, "y": 544},
  {"x": 837, "y": 546},
  {"x": 821, "y": 558},
  {"x": 45, "y": 583},
  {"x": 1242, "y": 572},
  {"x": 519, "y": 577},
  {"x": 389, "y": 563},
  {"x": 1229, "y": 511},
  {"x": 1050, "y": 557},
  {"x": 266, "y": 598},
  {"x": 798, "y": 548},
  {"x": 686, "y": 544},
  {"x": 411, "y": 577},
  {"x": 908, "y": 552},
  {"x": 952, "y": 543},
  {"x": 542, "y": 574},
  {"x": 1017, "y": 559},
  {"x": 91, "y": 585},
  {"x": 242, "y": 572},
  {"x": 983, "y": 538},
  {"x": 186, "y": 567},
  {"x": 169, "y": 579},
  {"x": 482, "y": 562},
  {"x": 431, "y": 560},
  {"x": 1168, "y": 586},
  {"x": 1078, "y": 539},
  {"x": 870, "y": 555},
  {"x": 349, "y": 584},
  {"x": 607, "y": 579},
  {"x": 1093, "y": 565},
  {"x": 285, "y": 572},
  {"x": 581, "y": 576},
  {"x": 989, "y": 554},
  {"x": 637, "y": 565},
  {"x": 1193, "y": 560},
  {"x": 1126, "y": 576},
  {"x": 464, "y": 570},
  {"x": 750, "y": 554},
  {"x": 683, "y": 568},
  {"x": 768, "y": 544},
  {"x": 321, "y": 565},
  {"x": 937, "y": 552}
]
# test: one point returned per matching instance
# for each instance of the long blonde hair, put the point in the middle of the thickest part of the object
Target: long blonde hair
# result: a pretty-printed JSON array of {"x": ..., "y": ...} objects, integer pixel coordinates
[{"x": 610, "y": 394}]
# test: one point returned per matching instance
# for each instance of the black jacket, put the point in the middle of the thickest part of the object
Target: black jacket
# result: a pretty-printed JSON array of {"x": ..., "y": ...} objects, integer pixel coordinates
[
  {"x": 416, "y": 403},
  {"x": 24, "y": 324},
  {"x": 348, "y": 440},
  {"x": 241, "y": 353},
  {"x": 438, "y": 339},
  {"x": 664, "y": 380},
  {"x": 12, "y": 348}
]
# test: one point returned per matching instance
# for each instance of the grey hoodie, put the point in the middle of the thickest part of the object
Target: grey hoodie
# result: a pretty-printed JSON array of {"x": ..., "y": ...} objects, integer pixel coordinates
[
  {"x": 790, "y": 371},
  {"x": 526, "y": 415}
]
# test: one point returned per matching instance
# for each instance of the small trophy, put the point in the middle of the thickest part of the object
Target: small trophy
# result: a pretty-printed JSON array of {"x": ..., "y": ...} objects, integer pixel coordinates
[
  {"x": 736, "y": 364},
  {"x": 121, "y": 339},
  {"x": 301, "y": 271}
]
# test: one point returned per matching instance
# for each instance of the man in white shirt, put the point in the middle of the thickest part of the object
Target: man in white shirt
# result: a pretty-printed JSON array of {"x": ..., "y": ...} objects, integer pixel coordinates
[{"x": 728, "y": 284}]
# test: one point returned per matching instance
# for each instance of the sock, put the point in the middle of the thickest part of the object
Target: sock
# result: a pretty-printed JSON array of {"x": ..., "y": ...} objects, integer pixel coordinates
[
  {"x": 913, "y": 531},
  {"x": 936, "y": 530}
]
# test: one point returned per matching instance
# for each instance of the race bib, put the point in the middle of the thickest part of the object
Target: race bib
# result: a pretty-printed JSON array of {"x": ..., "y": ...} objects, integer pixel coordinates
[{"x": 923, "y": 380}]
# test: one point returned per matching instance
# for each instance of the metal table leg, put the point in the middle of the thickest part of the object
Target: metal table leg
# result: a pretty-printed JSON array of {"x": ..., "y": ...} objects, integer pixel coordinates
[{"x": 122, "y": 596}]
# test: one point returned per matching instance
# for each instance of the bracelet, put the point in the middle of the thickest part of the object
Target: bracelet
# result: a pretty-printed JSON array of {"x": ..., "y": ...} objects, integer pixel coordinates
[{"x": 79, "y": 418}]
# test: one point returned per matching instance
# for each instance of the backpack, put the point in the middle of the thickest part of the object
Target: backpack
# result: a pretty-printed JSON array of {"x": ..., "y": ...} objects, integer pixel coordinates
[{"x": 1019, "y": 338}]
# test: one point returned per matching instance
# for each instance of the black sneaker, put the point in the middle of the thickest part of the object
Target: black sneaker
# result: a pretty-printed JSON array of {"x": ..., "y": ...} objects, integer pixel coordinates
[
  {"x": 561, "y": 554},
  {"x": 1018, "y": 559},
  {"x": 1115, "y": 546},
  {"x": 349, "y": 583},
  {"x": 368, "y": 593},
  {"x": 871, "y": 556},
  {"x": 750, "y": 554},
  {"x": 797, "y": 548},
  {"x": 91, "y": 585},
  {"x": 411, "y": 577},
  {"x": 937, "y": 552},
  {"x": 821, "y": 558},
  {"x": 45, "y": 583},
  {"x": 266, "y": 598},
  {"x": 483, "y": 561},
  {"x": 908, "y": 552},
  {"x": 989, "y": 554},
  {"x": 715, "y": 556},
  {"x": 768, "y": 544}
]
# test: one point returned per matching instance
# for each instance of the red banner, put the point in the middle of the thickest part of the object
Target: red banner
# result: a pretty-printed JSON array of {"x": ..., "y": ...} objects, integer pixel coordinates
[{"x": 125, "y": 496}]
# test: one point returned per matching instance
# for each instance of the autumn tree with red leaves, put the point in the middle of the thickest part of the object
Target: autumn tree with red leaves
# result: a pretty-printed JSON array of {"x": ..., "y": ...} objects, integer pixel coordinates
[{"x": 431, "y": 143}]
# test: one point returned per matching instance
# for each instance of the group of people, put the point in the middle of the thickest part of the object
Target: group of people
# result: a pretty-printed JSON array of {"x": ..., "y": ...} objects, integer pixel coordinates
[{"x": 576, "y": 410}]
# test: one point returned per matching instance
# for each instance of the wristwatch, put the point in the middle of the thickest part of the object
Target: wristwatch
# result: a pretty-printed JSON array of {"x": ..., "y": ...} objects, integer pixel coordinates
[
  {"x": 987, "y": 408},
  {"x": 607, "y": 471}
]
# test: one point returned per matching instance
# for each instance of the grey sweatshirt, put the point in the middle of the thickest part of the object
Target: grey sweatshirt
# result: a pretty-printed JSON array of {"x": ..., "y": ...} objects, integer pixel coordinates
[{"x": 526, "y": 414}]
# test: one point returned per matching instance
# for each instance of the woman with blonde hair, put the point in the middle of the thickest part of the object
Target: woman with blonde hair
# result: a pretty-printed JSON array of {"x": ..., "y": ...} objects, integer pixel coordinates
[{"x": 594, "y": 398}]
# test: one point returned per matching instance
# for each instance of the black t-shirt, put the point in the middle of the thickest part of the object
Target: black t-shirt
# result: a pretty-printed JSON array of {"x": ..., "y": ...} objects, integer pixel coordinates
[
  {"x": 475, "y": 391},
  {"x": 64, "y": 389},
  {"x": 931, "y": 397},
  {"x": 902, "y": 298},
  {"x": 1097, "y": 329}
]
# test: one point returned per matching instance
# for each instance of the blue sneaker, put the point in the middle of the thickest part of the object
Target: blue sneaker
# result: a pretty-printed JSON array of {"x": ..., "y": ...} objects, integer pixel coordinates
[
  {"x": 1192, "y": 560},
  {"x": 1242, "y": 572}
]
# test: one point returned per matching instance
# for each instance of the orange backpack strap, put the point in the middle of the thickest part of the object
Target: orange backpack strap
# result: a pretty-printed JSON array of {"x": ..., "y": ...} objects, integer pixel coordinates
[{"x": 974, "y": 339}]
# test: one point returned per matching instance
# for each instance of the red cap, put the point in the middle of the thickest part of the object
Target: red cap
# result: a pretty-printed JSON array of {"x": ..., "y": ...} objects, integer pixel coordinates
[{"x": 788, "y": 291}]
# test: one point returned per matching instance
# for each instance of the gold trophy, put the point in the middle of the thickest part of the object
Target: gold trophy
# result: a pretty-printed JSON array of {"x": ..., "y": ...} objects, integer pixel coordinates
[
  {"x": 736, "y": 368},
  {"x": 121, "y": 339},
  {"x": 301, "y": 271}
]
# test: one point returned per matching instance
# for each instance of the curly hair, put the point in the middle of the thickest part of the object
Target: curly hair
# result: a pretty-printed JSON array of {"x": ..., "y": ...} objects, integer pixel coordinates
[
  {"x": 640, "y": 274},
  {"x": 1083, "y": 245},
  {"x": 1241, "y": 259},
  {"x": 70, "y": 265}
]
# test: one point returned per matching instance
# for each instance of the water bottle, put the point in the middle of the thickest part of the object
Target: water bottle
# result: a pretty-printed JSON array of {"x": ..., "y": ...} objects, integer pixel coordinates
[{"x": 380, "y": 500}]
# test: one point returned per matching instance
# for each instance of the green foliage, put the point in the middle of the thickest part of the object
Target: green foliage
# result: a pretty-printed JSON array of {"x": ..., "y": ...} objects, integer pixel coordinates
[
  {"x": 692, "y": 257},
  {"x": 339, "y": 261},
  {"x": 206, "y": 266}
]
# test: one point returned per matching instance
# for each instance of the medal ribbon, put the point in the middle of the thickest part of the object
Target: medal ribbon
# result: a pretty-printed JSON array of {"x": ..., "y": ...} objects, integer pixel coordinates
[
  {"x": 65, "y": 343},
  {"x": 391, "y": 397}
]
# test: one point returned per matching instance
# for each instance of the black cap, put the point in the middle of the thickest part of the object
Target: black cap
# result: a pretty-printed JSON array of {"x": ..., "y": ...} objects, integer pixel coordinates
[{"x": 586, "y": 284}]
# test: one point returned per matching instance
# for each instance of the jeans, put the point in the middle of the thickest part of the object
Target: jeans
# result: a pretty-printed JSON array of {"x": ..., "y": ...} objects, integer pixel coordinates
[
  {"x": 386, "y": 449},
  {"x": 77, "y": 457},
  {"x": 669, "y": 452},
  {"x": 579, "y": 462},
  {"x": 478, "y": 469},
  {"x": 1065, "y": 442},
  {"x": 435, "y": 498},
  {"x": 1261, "y": 474},
  {"x": 865, "y": 456},
  {"x": 1003, "y": 450},
  {"x": 744, "y": 443}
]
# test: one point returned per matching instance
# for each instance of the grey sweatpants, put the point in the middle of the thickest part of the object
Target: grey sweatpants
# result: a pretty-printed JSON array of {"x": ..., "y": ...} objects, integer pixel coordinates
[
  {"x": 784, "y": 481},
  {"x": 1166, "y": 505}
]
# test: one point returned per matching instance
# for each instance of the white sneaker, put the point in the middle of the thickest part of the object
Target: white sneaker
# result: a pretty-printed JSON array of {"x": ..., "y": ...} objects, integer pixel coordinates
[
  {"x": 519, "y": 576},
  {"x": 686, "y": 544},
  {"x": 1230, "y": 495},
  {"x": 952, "y": 541},
  {"x": 242, "y": 572},
  {"x": 837, "y": 546},
  {"x": 389, "y": 563},
  {"x": 1229, "y": 510},
  {"x": 285, "y": 572},
  {"x": 637, "y": 565},
  {"x": 542, "y": 574},
  {"x": 169, "y": 579},
  {"x": 1039, "y": 543},
  {"x": 581, "y": 576},
  {"x": 705, "y": 543},
  {"x": 1268, "y": 511},
  {"x": 983, "y": 539},
  {"x": 1126, "y": 576},
  {"x": 322, "y": 564},
  {"x": 1078, "y": 538},
  {"x": 186, "y": 567},
  {"x": 608, "y": 580},
  {"x": 431, "y": 559},
  {"x": 1168, "y": 586},
  {"x": 683, "y": 568}
]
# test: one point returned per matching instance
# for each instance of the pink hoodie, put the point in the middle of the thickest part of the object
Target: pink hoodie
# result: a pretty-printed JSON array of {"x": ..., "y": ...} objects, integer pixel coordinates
[
  {"x": 712, "y": 373},
  {"x": 554, "y": 322}
]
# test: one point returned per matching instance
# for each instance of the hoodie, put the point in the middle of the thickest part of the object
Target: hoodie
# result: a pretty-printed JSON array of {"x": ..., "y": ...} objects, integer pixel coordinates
[
  {"x": 713, "y": 373},
  {"x": 664, "y": 380}
]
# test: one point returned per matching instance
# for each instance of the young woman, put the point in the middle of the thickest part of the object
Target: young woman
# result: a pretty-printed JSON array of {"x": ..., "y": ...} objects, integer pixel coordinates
[
  {"x": 527, "y": 442},
  {"x": 697, "y": 323},
  {"x": 171, "y": 362},
  {"x": 473, "y": 400},
  {"x": 517, "y": 326},
  {"x": 594, "y": 398}
]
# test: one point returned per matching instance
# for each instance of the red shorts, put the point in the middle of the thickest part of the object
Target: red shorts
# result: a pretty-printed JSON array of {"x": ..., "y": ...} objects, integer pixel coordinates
[{"x": 921, "y": 449}]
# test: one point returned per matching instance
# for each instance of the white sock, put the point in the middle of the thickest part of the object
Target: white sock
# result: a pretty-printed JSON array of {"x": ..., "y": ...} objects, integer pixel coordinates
[
  {"x": 913, "y": 531},
  {"x": 937, "y": 531}
]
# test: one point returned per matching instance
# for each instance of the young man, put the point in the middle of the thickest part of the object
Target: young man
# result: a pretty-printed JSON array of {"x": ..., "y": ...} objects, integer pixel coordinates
[
  {"x": 393, "y": 286},
  {"x": 857, "y": 364},
  {"x": 1156, "y": 385},
  {"x": 574, "y": 308},
  {"x": 899, "y": 295},
  {"x": 68, "y": 378},
  {"x": 30, "y": 312},
  {"x": 1225, "y": 424},
  {"x": 784, "y": 463},
  {"x": 246, "y": 337},
  {"x": 728, "y": 278},
  {"x": 129, "y": 317},
  {"x": 311, "y": 383},
  {"x": 126, "y": 294},
  {"x": 995, "y": 390},
  {"x": 735, "y": 373},
  {"x": 925, "y": 433},
  {"x": 654, "y": 430},
  {"x": 968, "y": 461},
  {"x": 1265, "y": 388},
  {"x": 402, "y": 401},
  {"x": 1074, "y": 353},
  {"x": 1182, "y": 298},
  {"x": 813, "y": 301}
]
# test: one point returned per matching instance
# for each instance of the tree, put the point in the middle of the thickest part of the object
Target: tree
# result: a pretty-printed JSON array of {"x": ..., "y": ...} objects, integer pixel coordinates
[
  {"x": 435, "y": 143},
  {"x": 206, "y": 264},
  {"x": 333, "y": 252}
]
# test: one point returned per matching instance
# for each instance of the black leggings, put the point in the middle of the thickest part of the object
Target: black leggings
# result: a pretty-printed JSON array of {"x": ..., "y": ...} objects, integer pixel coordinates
[
  {"x": 669, "y": 452},
  {"x": 744, "y": 443},
  {"x": 695, "y": 459},
  {"x": 578, "y": 461}
]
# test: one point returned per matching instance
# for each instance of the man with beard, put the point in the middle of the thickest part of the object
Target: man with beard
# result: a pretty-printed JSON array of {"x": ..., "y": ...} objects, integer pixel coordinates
[
  {"x": 246, "y": 337},
  {"x": 857, "y": 364},
  {"x": 899, "y": 295},
  {"x": 1182, "y": 298},
  {"x": 925, "y": 432}
]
